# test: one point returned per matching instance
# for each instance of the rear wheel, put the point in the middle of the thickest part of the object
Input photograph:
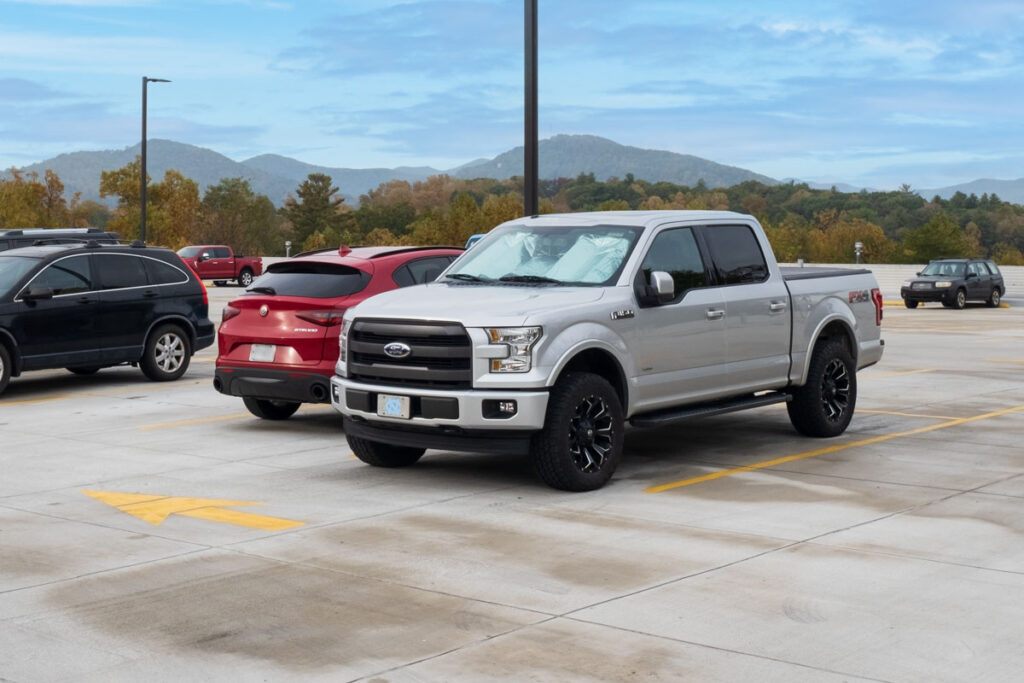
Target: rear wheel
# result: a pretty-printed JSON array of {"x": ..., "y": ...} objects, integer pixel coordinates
[
  {"x": 824, "y": 405},
  {"x": 270, "y": 410},
  {"x": 5, "y": 367},
  {"x": 910, "y": 303},
  {"x": 581, "y": 442},
  {"x": 383, "y": 454},
  {"x": 89, "y": 370},
  {"x": 993, "y": 299},
  {"x": 245, "y": 277},
  {"x": 167, "y": 354}
]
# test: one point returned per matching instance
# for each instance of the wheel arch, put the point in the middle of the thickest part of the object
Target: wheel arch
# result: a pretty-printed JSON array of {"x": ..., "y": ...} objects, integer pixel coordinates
[
  {"x": 599, "y": 361},
  {"x": 8, "y": 342},
  {"x": 833, "y": 327},
  {"x": 179, "y": 320}
]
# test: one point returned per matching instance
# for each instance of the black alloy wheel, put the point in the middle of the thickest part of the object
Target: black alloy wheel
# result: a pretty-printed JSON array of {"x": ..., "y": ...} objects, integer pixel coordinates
[
  {"x": 835, "y": 390},
  {"x": 591, "y": 433},
  {"x": 824, "y": 405}
]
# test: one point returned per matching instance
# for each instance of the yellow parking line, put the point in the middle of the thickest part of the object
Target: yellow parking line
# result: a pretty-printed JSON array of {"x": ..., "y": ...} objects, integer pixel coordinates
[
  {"x": 1005, "y": 360},
  {"x": 196, "y": 421},
  {"x": 895, "y": 374},
  {"x": 829, "y": 449},
  {"x": 892, "y": 412}
]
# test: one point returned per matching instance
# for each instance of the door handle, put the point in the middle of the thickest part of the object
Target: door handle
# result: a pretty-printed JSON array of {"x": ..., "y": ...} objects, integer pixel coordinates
[
  {"x": 715, "y": 314},
  {"x": 149, "y": 294},
  {"x": 83, "y": 300},
  {"x": 777, "y": 306}
]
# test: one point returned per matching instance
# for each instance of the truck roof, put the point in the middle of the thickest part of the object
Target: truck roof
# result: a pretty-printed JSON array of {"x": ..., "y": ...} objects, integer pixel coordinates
[{"x": 632, "y": 218}]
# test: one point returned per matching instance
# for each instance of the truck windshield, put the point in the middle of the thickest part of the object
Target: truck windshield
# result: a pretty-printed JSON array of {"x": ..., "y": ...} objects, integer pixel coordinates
[
  {"x": 591, "y": 255},
  {"x": 12, "y": 269},
  {"x": 189, "y": 252},
  {"x": 944, "y": 268}
]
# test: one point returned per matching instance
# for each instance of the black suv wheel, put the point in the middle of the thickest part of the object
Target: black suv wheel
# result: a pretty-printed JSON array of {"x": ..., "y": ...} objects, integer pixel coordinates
[
  {"x": 167, "y": 354},
  {"x": 5, "y": 368}
]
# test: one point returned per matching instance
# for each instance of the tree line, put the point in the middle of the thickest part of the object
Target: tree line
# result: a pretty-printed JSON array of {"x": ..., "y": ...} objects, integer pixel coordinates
[{"x": 802, "y": 223}]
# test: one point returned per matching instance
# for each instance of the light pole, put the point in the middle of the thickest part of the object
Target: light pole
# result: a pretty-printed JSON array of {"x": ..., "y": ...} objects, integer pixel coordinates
[
  {"x": 530, "y": 146},
  {"x": 145, "y": 81}
]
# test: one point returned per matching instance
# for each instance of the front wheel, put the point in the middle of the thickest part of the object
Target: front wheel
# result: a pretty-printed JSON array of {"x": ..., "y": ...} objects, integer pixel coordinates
[
  {"x": 959, "y": 300},
  {"x": 993, "y": 299},
  {"x": 270, "y": 410},
  {"x": 245, "y": 277},
  {"x": 383, "y": 454},
  {"x": 581, "y": 442},
  {"x": 910, "y": 303},
  {"x": 5, "y": 367},
  {"x": 824, "y": 405},
  {"x": 167, "y": 354}
]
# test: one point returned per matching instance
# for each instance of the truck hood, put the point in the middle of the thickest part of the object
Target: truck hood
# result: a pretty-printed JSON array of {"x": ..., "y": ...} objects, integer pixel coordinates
[{"x": 476, "y": 305}]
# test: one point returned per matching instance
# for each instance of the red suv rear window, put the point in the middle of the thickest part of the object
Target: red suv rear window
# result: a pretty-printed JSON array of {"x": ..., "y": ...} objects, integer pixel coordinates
[{"x": 310, "y": 279}]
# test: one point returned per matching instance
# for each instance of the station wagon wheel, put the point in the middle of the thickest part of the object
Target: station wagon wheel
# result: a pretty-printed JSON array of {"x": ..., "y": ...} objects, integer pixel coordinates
[
  {"x": 167, "y": 354},
  {"x": 960, "y": 299},
  {"x": 993, "y": 299},
  {"x": 5, "y": 367},
  {"x": 824, "y": 405},
  {"x": 581, "y": 442}
]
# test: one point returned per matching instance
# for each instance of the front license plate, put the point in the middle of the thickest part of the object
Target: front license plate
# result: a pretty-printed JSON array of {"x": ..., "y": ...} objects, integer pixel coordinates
[
  {"x": 393, "y": 406},
  {"x": 262, "y": 353}
]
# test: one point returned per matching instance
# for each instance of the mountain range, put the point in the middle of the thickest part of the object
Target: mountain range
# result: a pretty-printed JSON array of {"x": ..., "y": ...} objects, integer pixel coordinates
[{"x": 559, "y": 156}]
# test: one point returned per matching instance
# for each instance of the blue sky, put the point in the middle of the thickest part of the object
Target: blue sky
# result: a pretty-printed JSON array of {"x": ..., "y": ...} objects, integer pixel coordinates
[{"x": 869, "y": 92}]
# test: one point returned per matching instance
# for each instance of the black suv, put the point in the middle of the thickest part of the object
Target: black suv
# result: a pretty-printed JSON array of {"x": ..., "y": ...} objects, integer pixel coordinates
[
  {"x": 88, "y": 306},
  {"x": 26, "y": 237},
  {"x": 954, "y": 282}
]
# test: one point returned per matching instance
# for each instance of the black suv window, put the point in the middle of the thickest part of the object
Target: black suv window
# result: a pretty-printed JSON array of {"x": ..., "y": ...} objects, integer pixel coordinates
[
  {"x": 161, "y": 273},
  {"x": 977, "y": 268},
  {"x": 736, "y": 255},
  {"x": 309, "y": 278},
  {"x": 66, "y": 276},
  {"x": 992, "y": 267},
  {"x": 118, "y": 271},
  {"x": 676, "y": 252}
]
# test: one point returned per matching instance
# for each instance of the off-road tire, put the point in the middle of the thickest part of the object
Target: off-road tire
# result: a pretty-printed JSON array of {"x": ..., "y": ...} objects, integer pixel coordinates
[
  {"x": 993, "y": 299},
  {"x": 245, "y": 277},
  {"x": 6, "y": 367},
  {"x": 88, "y": 370},
  {"x": 824, "y": 405},
  {"x": 581, "y": 442},
  {"x": 959, "y": 300},
  {"x": 270, "y": 410},
  {"x": 910, "y": 303},
  {"x": 382, "y": 454},
  {"x": 167, "y": 355}
]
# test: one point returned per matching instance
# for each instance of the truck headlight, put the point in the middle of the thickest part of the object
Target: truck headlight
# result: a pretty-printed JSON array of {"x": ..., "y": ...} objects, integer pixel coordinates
[
  {"x": 520, "y": 341},
  {"x": 943, "y": 283},
  {"x": 341, "y": 367}
]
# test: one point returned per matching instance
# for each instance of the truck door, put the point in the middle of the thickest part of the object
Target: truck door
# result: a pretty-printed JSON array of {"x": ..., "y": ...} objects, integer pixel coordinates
[
  {"x": 679, "y": 347},
  {"x": 757, "y": 315}
]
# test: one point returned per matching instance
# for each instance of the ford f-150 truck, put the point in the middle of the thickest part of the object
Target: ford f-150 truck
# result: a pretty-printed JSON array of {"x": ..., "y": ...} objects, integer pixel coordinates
[
  {"x": 553, "y": 331},
  {"x": 219, "y": 263}
]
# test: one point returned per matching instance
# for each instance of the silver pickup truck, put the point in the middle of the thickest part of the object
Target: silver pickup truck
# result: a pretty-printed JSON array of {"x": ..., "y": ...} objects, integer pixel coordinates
[{"x": 553, "y": 331}]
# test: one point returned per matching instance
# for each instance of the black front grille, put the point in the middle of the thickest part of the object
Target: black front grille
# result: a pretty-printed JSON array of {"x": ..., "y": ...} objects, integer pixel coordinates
[{"x": 441, "y": 354}]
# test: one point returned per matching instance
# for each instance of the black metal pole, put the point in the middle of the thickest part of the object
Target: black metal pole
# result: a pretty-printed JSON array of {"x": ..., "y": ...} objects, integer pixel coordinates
[
  {"x": 142, "y": 191},
  {"x": 530, "y": 146}
]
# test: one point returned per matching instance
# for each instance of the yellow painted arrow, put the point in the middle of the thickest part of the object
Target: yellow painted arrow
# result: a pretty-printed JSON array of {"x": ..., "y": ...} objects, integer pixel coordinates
[{"x": 155, "y": 509}]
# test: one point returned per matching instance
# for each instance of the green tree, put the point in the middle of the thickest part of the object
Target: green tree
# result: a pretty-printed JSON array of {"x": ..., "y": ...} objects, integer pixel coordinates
[
  {"x": 939, "y": 237},
  {"x": 231, "y": 213},
  {"x": 317, "y": 209}
]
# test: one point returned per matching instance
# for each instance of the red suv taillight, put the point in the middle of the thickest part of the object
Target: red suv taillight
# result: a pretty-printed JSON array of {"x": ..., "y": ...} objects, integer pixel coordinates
[
  {"x": 876, "y": 296},
  {"x": 327, "y": 318},
  {"x": 228, "y": 313}
]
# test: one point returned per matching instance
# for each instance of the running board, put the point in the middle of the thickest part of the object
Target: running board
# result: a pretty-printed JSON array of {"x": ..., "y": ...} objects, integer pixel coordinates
[{"x": 661, "y": 417}]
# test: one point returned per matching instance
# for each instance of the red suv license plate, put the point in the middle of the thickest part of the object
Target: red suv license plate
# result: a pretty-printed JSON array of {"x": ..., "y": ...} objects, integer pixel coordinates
[{"x": 262, "y": 353}]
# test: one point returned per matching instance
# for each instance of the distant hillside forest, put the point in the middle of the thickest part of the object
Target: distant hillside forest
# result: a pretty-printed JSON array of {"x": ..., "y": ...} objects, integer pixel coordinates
[{"x": 819, "y": 226}]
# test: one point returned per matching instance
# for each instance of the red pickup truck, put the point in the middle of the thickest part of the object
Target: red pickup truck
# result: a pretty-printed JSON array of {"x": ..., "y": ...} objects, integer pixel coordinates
[{"x": 219, "y": 263}]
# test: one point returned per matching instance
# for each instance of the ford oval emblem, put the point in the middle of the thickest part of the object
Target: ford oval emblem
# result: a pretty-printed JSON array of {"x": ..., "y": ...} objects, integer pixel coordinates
[
  {"x": 264, "y": 309},
  {"x": 397, "y": 349}
]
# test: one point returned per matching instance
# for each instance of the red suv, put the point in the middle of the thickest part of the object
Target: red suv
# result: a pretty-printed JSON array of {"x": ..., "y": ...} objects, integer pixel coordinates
[{"x": 278, "y": 343}]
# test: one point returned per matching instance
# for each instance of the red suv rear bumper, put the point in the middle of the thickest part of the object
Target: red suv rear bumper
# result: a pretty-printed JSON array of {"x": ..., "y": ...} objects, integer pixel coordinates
[{"x": 305, "y": 385}]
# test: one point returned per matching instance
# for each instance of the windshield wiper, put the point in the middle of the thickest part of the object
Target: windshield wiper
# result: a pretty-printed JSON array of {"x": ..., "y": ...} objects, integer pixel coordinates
[
  {"x": 465, "y": 276},
  {"x": 263, "y": 290},
  {"x": 530, "y": 278}
]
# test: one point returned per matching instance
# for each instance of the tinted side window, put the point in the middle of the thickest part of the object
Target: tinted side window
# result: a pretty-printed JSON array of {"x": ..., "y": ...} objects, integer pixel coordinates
[
  {"x": 676, "y": 253},
  {"x": 220, "y": 252},
  {"x": 66, "y": 276},
  {"x": 160, "y": 273},
  {"x": 118, "y": 271},
  {"x": 992, "y": 267},
  {"x": 977, "y": 269},
  {"x": 735, "y": 253},
  {"x": 402, "y": 277},
  {"x": 427, "y": 269}
]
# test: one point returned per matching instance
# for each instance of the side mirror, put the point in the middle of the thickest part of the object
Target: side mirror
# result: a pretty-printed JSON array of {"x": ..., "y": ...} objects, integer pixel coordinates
[
  {"x": 205, "y": 256},
  {"x": 970, "y": 275},
  {"x": 663, "y": 286},
  {"x": 919, "y": 273},
  {"x": 37, "y": 294}
]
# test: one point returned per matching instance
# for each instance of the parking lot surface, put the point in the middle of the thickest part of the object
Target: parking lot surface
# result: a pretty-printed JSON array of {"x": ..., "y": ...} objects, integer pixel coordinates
[{"x": 159, "y": 532}]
